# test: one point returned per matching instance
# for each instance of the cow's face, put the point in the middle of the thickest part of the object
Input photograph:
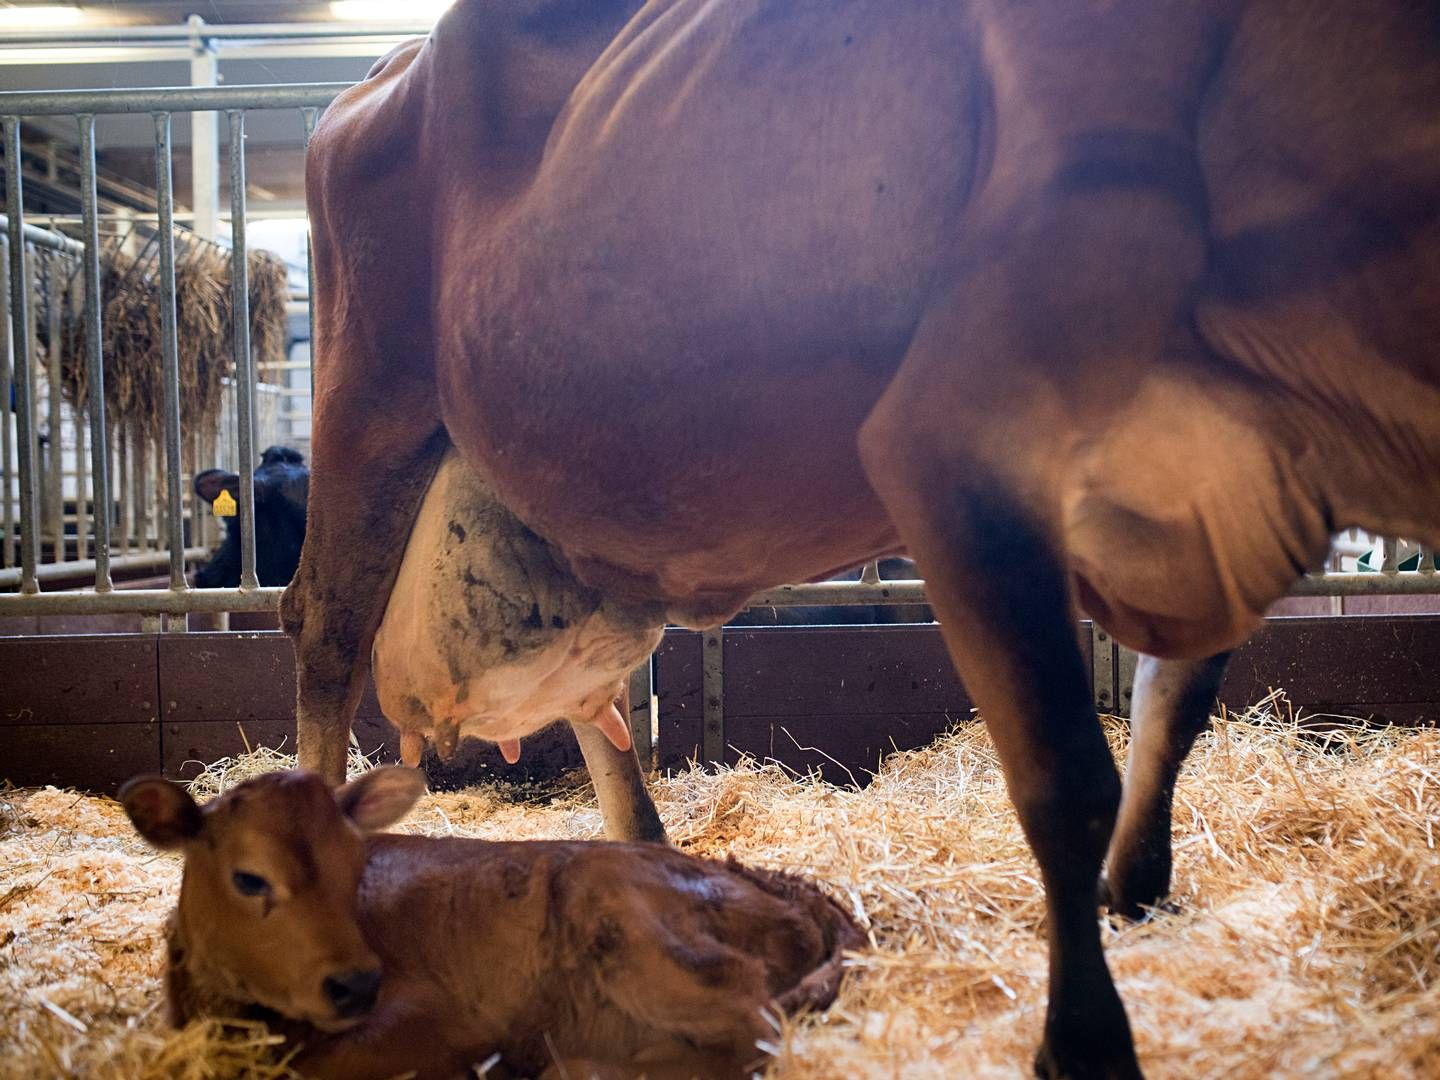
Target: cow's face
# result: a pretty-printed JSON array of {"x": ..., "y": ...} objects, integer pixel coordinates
[
  {"x": 282, "y": 490},
  {"x": 268, "y": 903},
  {"x": 488, "y": 633}
]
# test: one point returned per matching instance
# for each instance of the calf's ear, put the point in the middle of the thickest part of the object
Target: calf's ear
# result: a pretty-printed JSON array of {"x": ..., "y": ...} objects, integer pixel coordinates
[
  {"x": 381, "y": 796},
  {"x": 161, "y": 811},
  {"x": 211, "y": 482}
]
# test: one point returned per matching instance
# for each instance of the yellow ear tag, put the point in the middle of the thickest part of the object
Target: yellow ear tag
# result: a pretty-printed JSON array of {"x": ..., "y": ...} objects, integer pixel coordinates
[{"x": 224, "y": 504}]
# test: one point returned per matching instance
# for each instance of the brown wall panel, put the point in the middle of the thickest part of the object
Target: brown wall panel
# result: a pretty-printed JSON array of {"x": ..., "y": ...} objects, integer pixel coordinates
[
  {"x": 92, "y": 757},
  {"x": 248, "y": 675},
  {"x": 1324, "y": 663},
  {"x": 96, "y": 679},
  {"x": 844, "y": 748}
]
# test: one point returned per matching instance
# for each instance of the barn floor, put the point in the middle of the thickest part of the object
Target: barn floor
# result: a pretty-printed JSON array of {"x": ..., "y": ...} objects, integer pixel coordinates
[{"x": 1308, "y": 944}]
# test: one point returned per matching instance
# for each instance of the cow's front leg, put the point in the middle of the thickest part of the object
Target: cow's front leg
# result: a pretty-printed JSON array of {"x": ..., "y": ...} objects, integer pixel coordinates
[
  {"x": 366, "y": 487},
  {"x": 995, "y": 578},
  {"x": 1063, "y": 297},
  {"x": 1172, "y": 704},
  {"x": 626, "y": 807}
]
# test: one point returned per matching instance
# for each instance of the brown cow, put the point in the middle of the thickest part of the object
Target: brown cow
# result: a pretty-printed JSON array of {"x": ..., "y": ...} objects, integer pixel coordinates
[
  {"x": 1126, "y": 305},
  {"x": 384, "y": 953}
]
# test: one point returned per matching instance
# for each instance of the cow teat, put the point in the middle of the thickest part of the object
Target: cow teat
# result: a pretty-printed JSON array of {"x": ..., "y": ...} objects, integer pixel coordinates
[
  {"x": 268, "y": 900},
  {"x": 487, "y": 631}
]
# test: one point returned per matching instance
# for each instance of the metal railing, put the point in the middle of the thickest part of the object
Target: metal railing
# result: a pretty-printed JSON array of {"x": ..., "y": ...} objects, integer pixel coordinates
[
  {"x": 178, "y": 600},
  {"x": 21, "y": 239}
]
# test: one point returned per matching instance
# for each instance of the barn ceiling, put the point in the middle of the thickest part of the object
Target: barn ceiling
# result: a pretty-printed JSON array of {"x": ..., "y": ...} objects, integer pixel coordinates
[
  {"x": 157, "y": 12},
  {"x": 274, "y": 140}
]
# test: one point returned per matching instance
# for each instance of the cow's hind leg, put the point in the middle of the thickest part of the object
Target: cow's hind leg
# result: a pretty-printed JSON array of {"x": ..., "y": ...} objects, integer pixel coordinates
[
  {"x": 1172, "y": 704},
  {"x": 625, "y": 804},
  {"x": 367, "y": 482}
]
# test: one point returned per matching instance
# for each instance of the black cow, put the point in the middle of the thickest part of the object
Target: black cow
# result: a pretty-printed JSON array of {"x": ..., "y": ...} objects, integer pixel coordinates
[{"x": 282, "y": 487}]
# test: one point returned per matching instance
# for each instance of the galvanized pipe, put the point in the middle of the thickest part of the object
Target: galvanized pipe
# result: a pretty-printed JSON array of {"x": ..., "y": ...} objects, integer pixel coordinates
[
  {"x": 120, "y": 35},
  {"x": 169, "y": 349},
  {"x": 22, "y": 347},
  {"x": 7, "y": 514},
  {"x": 44, "y": 238},
  {"x": 54, "y": 494},
  {"x": 94, "y": 362},
  {"x": 310, "y": 115},
  {"x": 145, "y": 601},
  {"x": 244, "y": 360},
  {"x": 51, "y": 572},
  {"x": 168, "y": 99}
]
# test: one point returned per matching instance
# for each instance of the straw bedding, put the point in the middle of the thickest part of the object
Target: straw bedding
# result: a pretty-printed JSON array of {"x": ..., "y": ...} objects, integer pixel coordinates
[{"x": 1308, "y": 942}]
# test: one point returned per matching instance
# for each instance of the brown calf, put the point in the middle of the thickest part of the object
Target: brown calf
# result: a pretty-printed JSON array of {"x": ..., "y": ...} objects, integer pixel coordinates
[{"x": 384, "y": 953}]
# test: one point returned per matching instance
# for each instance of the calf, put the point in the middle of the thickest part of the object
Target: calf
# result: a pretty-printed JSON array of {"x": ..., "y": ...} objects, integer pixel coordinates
[
  {"x": 383, "y": 953},
  {"x": 282, "y": 488}
]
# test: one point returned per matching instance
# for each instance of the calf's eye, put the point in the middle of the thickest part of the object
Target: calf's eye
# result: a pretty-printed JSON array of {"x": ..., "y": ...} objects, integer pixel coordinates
[{"x": 250, "y": 884}]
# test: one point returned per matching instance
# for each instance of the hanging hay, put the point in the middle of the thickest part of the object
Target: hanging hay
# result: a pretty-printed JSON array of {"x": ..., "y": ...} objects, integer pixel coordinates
[
  {"x": 269, "y": 294},
  {"x": 1306, "y": 872},
  {"x": 131, "y": 341}
]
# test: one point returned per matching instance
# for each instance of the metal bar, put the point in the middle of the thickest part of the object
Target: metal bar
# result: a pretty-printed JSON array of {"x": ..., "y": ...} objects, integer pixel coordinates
[
  {"x": 1401, "y": 583},
  {"x": 842, "y": 592},
  {"x": 119, "y": 35},
  {"x": 244, "y": 360},
  {"x": 7, "y": 513},
  {"x": 140, "y": 483},
  {"x": 169, "y": 349},
  {"x": 1102, "y": 668},
  {"x": 642, "y": 689},
  {"x": 153, "y": 601},
  {"x": 168, "y": 99},
  {"x": 44, "y": 238},
  {"x": 1389, "y": 556},
  {"x": 95, "y": 366},
  {"x": 240, "y": 49},
  {"x": 1126, "y": 661},
  {"x": 77, "y": 568},
  {"x": 309, "y": 116},
  {"x": 712, "y": 693},
  {"x": 82, "y": 503},
  {"x": 124, "y": 467},
  {"x": 29, "y": 523},
  {"x": 54, "y": 446},
  {"x": 204, "y": 136}
]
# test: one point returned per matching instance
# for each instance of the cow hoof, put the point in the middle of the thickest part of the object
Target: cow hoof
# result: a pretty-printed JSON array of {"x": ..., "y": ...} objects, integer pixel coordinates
[
  {"x": 1132, "y": 906},
  {"x": 1054, "y": 1064}
]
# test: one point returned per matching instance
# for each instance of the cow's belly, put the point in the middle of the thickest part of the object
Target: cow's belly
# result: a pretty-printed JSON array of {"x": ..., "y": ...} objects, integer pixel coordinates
[{"x": 663, "y": 352}]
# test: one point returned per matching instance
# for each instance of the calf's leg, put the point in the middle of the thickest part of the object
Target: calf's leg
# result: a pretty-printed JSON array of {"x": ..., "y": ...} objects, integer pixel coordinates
[
  {"x": 1172, "y": 704},
  {"x": 625, "y": 804}
]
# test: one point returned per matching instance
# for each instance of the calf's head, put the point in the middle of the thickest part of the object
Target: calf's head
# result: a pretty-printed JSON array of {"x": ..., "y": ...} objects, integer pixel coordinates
[{"x": 268, "y": 910}]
